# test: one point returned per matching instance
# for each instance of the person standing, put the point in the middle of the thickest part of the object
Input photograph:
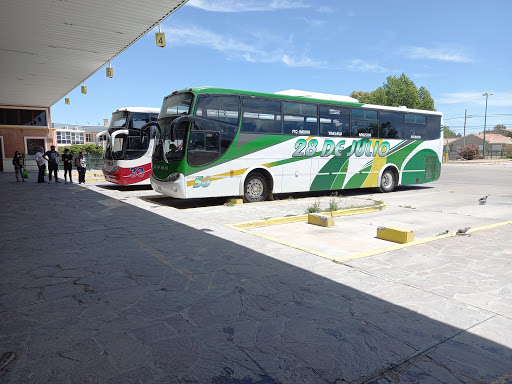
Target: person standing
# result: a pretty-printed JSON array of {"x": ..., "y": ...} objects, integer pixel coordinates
[
  {"x": 41, "y": 164},
  {"x": 17, "y": 161},
  {"x": 67, "y": 159},
  {"x": 53, "y": 163},
  {"x": 81, "y": 163}
]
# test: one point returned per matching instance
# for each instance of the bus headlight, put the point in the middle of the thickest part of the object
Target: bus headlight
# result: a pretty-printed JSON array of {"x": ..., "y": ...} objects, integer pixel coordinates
[
  {"x": 114, "y": 170},
  {"x": 173, "y": 177}
]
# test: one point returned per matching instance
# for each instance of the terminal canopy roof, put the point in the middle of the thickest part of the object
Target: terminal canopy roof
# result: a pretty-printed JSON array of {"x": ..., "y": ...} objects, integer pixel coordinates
[{"x": 48, "y": 47}]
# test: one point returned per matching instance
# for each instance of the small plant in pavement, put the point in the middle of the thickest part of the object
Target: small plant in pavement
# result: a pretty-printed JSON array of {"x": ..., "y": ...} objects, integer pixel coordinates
[{"x": 315, "y": 208}]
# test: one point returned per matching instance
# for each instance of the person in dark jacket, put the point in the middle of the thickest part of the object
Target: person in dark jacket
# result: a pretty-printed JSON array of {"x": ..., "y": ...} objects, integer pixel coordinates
[
  {"x": 17, "y": 161},
  {"x": 52, "y": 156},
  {"x": 67, "y": 160}
]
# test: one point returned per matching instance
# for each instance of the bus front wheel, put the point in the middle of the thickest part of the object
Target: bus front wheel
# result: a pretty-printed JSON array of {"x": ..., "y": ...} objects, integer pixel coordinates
[
  {"x": 255, "y": 188},
  {"x": 387, "y": 181}
]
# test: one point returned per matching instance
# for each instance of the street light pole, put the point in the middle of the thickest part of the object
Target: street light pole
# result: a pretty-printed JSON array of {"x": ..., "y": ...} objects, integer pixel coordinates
[{"x": 485, "y": 116}]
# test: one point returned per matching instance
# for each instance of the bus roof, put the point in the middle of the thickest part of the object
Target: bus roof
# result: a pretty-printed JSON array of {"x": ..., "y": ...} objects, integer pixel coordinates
[
  {"x": 139, "y": 109},
  {"x": 281, "y": 96}
]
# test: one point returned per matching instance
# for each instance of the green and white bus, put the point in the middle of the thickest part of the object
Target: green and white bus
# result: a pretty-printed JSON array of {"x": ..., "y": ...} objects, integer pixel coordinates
[{"x": 222, "y": 142}]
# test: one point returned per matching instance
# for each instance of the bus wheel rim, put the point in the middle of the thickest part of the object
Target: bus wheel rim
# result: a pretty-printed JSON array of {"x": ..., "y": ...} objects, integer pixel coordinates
[
  {"x": 254, "y": 188},
  {"x": 386, "y": 180}
]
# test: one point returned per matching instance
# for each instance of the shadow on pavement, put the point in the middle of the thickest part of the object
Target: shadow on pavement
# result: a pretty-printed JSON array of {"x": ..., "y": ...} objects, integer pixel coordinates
[{"x": 93, "y": 289}]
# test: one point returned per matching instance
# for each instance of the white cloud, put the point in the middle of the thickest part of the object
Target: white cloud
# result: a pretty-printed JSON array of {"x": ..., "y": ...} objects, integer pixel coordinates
[
  {"x": 235, "y": 49},
  {"x": 498, "y": 99},
  {"x": 301, "y": 62},
  {"x": 247, "y": 5},
  {"x": 444, "y": 54},
  {"x": 325, "y": 9},
  {"x": 358, "y": 65}
]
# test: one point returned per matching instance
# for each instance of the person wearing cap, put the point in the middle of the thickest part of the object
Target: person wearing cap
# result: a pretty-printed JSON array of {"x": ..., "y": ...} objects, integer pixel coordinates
[{"x": 41, "y": 164}]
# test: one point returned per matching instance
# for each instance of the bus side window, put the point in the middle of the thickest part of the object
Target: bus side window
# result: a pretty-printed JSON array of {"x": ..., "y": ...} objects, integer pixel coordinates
[
  {"x": 334, "y": 121},
  {"x": 138, "y": 120},
  {"x": 203, "y": 147},
  {"x": 261, "y": 116},
  {"x": 415, "y": 127},
  {"x": 364, "y": 123},
  {"x": 218, "y": 107},
  {"x": 391, "y": 125},
  {"x": 300, "y": 119},
  {"x": 433, "y": 127}
]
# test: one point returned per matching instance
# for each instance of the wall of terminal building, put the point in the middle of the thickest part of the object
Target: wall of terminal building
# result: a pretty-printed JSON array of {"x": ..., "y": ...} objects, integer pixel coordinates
[{"x": 24, "y": 129}]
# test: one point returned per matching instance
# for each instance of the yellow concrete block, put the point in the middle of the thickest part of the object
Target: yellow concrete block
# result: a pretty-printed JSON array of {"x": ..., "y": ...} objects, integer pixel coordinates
[
  {"x": 235, "y": 201},
  {"x": 397, "y": 235},
  {"x": 321, "y": 220}
]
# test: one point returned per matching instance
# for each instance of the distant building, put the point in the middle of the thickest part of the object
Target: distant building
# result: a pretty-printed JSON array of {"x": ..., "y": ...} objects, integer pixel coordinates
[
  {"x": 494, "y": 143},
  {"x": 69, "y": 134},
  {"x": 447, "y": 144}
]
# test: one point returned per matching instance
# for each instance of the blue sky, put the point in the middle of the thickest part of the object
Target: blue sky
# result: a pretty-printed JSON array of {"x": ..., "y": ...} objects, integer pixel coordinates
[{"x": 456, "y": 49}]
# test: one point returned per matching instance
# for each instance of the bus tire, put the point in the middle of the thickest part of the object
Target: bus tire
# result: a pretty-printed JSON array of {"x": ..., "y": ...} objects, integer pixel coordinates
[
  {"x": 387, "y": 181},
  {"x": 255, "y": 188}
]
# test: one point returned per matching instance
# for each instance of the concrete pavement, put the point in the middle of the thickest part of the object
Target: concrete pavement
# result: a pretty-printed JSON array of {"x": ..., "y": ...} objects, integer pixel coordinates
[{"x": 98, "y": 285}]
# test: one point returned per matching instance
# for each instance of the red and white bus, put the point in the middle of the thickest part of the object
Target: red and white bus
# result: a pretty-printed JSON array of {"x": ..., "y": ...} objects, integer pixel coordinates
[{"x": 127, "y": 155}]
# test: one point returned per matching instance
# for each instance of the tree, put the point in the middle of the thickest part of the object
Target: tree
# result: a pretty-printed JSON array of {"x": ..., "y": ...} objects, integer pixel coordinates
[
  {"x": 501, "y": 129},
  {"x": 75, "y": 149},
  {"x": 396, "y": 92},
  {"x": 449, "y": 133},
  {"x": 426, "y": 101}
]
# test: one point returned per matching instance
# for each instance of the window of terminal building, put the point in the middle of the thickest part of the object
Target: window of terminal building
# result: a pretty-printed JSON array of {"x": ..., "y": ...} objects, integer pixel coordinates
[
  {"x": 12, "y": 116},
  {"x": 34, "y": 145},
  {"x": 63, "y": 138}
]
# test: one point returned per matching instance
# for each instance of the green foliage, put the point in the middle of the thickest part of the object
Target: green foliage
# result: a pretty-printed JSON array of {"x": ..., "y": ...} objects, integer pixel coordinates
[
  {"x": 396, "y": 92},
  {"x": 426, "y": 101},
  {"x": 501, "y": 129},
  {"x": 449, "y": 133},
  {"x": 333, "y": 205},
  {"x": 75, "y": 149},
  {"x": 469, "y": 152},
  {"x": 315, "y": 208}
]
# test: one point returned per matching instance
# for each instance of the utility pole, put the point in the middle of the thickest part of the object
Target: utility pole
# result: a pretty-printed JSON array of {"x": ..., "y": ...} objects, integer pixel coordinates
[
  {"x": 465, "y": 117},
  {"x": 485, "y": 118}
]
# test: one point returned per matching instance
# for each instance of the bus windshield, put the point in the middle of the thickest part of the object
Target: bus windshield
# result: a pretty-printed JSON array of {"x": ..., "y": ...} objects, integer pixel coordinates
[
  {"x": 173, "y": 106},
  {"x": 131, "y": 146},
  {"x": 119, "y": 119}
]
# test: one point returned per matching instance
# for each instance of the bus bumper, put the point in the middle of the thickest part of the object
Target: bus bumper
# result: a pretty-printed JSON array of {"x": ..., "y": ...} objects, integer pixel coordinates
[
  {"x": 175, "y": 188},
  {"x": 125, "y": 176}
]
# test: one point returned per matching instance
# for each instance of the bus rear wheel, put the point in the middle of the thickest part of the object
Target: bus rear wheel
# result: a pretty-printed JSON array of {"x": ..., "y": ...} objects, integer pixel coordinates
[
  {"x": 387, "y": 181},
  {"x": 255, "y": 188}
]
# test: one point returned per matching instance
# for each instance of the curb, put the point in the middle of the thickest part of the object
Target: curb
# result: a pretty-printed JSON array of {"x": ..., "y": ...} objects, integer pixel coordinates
[
  {"x": 478, "y": 161},
  {"x": 304, "y": 217}
]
